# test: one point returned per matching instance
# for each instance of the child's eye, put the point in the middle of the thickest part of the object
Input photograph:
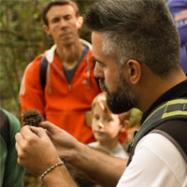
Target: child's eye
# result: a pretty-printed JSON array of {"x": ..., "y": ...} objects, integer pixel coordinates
[
  {"x": 108, "y": 119},
  {"x": 96, "y": 117}
]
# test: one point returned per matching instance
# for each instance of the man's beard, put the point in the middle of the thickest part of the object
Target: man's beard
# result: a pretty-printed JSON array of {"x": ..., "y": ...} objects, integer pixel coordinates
[{"x": 122, "y": 99}]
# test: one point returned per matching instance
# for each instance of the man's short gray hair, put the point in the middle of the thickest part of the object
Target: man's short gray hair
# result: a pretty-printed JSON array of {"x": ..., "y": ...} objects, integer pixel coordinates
[{"x": 137, "y": 29}]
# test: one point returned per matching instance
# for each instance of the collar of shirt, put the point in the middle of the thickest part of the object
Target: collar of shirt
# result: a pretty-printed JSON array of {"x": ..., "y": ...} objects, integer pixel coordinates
[{"x": 178, "y": 91}]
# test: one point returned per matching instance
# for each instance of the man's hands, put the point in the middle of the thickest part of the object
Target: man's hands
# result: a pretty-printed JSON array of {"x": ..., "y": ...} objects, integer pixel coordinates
[
  {"x": 35, "y": 150},
  {"x": 37, "y": 153},
  {"x": 40, "y": 147},
  {"x": 65, "y": 143}
]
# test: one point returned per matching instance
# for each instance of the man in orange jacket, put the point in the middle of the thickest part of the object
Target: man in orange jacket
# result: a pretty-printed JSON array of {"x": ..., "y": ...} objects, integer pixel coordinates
[{"x": 70, "y": 84}]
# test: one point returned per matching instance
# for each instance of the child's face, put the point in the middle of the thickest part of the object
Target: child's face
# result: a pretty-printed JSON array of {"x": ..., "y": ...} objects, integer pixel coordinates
[{"x": 105, "y": 125}]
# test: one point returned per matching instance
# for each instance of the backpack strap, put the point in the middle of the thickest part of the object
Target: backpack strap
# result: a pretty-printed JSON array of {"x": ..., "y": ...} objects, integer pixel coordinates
[
  {"x": 171, "y": 110},
  {"x": 44, "y": 64},
  {"x": 43, "y": 72},
  {"x": 175, "y": 131},
  {"x": 4, "y": 127}
]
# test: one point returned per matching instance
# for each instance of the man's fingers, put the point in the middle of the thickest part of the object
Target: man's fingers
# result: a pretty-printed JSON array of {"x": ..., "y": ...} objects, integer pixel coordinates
[
  {"x": 38, "y": 131},
  {"x": 20, "y": 152},
  {"x": 20, "y": 140},
  {"x": 51, "y": 128},
  {"x": 27, "y": 133},
  {"x": 26, "y": 137},
  {"x": 46, "y": 125}
]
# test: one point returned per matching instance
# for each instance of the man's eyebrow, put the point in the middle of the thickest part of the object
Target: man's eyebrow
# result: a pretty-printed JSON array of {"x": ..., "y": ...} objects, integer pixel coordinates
[
  {"x": 61, "y": 16},
  {"x": 98, "y": 61}
]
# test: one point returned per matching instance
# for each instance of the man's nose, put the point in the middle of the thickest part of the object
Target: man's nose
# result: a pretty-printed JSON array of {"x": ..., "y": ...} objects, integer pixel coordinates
[
  {"x": 98, "y": 71},
  {"x": 63, "y": 22}
]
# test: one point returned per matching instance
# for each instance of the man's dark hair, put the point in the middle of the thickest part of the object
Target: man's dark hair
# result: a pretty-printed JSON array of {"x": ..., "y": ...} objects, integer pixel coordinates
[
  {"x": 57, "y": 3},
  {"x": 140, "y": 29}
]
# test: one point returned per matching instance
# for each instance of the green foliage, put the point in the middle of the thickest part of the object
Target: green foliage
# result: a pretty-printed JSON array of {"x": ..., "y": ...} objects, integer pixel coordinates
[
  {"x": 135, "y": 117},
  {"x": 22, "y": 38}
]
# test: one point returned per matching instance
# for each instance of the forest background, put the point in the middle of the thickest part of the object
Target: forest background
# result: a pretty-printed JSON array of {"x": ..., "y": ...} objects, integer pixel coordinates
[{"x": 21, "y": 39}]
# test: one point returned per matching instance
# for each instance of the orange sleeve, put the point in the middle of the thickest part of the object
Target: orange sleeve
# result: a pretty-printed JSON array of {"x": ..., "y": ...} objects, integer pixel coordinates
[{"x": 31, "y": 95}]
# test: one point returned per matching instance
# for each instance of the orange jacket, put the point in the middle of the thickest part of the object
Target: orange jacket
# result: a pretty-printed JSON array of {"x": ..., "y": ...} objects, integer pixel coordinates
[{"x": 61, "y": 103}]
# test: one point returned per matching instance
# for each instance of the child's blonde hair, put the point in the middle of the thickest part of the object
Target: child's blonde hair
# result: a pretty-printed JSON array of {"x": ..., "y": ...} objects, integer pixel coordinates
[{"x": 100, "y": 100}]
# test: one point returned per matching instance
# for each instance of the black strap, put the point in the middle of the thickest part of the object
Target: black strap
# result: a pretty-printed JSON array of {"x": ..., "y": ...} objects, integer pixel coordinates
[
  {"x": 172, "y": 110},
  {"x": 43, "y": 72},
  {"x": 4, "y": 127},
  {"x": 176, "y": 131},
  {"x": 43, "y": 68}
]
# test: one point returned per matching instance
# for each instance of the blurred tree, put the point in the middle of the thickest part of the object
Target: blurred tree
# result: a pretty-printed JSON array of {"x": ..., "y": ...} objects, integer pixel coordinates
[{"x": 21, "y": 39}]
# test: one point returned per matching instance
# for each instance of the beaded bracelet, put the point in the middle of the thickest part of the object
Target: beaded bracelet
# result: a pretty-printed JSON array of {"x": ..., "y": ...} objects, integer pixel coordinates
[{"x": 50, "y": 169}]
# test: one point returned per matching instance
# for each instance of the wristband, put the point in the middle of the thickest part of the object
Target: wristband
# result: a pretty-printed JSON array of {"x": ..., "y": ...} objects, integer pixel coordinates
[{"x": 51, "y": 168}]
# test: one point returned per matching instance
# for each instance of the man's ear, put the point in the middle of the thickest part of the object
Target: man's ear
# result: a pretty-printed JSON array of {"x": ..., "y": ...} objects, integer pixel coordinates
[
  {"x": 46, "y": 30},
  {"x": 134, "y": 71},
  {"x": 80, "y": 21}
]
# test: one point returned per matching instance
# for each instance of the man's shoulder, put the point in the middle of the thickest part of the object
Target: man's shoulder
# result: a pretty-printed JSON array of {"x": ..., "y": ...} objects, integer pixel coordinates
[
  {"x": 34, "y": 65},
  {"x": 37, "y": 59},
  {"x": 155, "y": 154},
  {"x": 158, "y": 147},
  {"x": 14, "y": 123}
]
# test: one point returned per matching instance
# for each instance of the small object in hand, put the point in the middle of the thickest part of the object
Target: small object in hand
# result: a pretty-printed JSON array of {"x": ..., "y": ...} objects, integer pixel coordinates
[{"x": 32, "y": 117}]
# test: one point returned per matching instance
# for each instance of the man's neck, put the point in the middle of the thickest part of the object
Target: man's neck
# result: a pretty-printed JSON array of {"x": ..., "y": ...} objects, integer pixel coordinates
[
  {"x": 69, "y": 55},
  {"x": 162, "y": 86}
]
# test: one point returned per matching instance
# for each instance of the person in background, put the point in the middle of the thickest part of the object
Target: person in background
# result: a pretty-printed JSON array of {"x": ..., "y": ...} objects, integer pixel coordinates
[
  {"x": 107, "y": 127},
  {"x": 136, "y": 47},
  {"x": 178, "y": 9},
  {"x": 11, "y": 174},
  {"x": 70, "y": 84}
]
